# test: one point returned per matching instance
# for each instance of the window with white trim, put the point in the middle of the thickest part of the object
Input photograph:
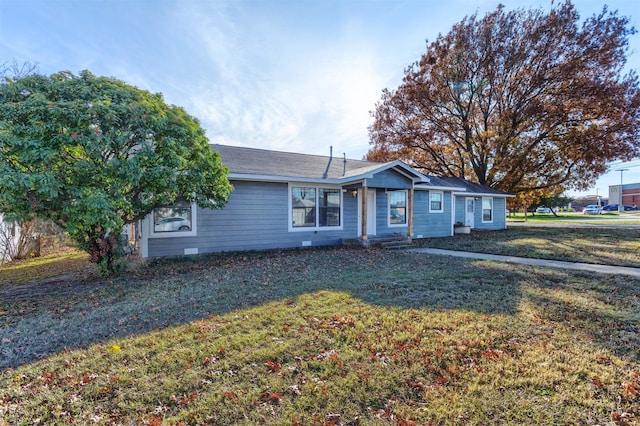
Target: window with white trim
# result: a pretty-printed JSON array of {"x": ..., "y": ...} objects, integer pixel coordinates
[
  {"x": 315, "y": 207},
  {"x": 176, "y": 220},
  {"x": 487, "y": 209},
  {"x": 436, "y": 204},
  {"x": 397, "y": 208}
]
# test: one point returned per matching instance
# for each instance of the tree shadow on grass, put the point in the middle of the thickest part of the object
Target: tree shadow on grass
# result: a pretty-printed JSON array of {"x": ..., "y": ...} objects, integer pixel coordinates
[{"x": 172, "y": 292}]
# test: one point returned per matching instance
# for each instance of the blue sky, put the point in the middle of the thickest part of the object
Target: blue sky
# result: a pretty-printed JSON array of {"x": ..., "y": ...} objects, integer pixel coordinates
[{"x": 295, "y": 75}]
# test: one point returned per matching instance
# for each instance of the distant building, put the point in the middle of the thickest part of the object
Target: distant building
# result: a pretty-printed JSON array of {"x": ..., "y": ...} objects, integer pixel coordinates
[{"x": 630, "y": 194}]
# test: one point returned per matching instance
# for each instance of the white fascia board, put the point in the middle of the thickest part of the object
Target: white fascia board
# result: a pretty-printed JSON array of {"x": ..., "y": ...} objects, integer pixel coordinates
[
  {"x": 270, "y": 178},
  {"x": 406, "y": 171},
  {"x": 453, "y": 189},
  {"x": 481, "y": 194},
  {"x": 370, "y": 175}
]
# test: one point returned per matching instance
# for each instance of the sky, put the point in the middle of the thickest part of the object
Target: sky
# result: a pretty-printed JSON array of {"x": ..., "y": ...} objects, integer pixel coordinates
[{"x": 291, "y": 75}]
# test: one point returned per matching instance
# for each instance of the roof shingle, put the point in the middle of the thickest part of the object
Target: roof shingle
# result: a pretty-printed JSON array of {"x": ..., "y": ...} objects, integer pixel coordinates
[{"x": 253, "y": 161}]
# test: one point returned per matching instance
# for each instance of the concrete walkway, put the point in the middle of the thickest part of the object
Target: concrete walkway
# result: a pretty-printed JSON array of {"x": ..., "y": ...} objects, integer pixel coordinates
[{"x": 602, "y": 269}]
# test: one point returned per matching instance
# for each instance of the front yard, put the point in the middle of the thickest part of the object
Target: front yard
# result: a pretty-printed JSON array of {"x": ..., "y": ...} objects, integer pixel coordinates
[
  {"x": 619, "y": 247},
  {"x": 329, "y": 337}
]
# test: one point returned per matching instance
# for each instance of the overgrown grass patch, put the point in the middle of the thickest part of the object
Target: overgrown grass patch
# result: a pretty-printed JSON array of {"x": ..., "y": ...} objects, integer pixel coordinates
[{"x": 322, "y": 337}]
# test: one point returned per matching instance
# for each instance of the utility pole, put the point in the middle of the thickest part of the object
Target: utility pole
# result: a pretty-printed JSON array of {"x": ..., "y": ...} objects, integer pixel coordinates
[{"x": 620, "y": 206}]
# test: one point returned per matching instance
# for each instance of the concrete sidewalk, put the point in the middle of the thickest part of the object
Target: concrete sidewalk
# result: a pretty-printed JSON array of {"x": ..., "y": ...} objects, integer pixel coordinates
[{"x": 602, "y": 269}]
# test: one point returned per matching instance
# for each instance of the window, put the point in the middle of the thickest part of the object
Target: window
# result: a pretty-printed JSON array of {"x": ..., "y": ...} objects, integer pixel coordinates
[
  {"x": 435, "y": 202},
  {"x": 178, "y": 219},
  {"x": 313, "y": 207},
  {"x": 303, "y": 206},
  {"x": 487, "y": 209},
  {"x": 397, "y": 208},
  {"x": 329, "y": 207}
]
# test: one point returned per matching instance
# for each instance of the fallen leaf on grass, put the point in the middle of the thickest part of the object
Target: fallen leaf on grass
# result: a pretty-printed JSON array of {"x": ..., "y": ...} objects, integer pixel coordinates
[
  {"x": 270, "y": 398},
  {"x": 184, "y": 400},
  {"x": 232, "y": 396},
  {"x": 273, "y": 366}
]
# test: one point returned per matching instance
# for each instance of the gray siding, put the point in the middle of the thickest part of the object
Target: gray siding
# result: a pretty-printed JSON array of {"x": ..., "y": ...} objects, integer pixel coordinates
[
  {"x": 255, "y": 218},
  {"x": 382, "y": 217},
  {"x": 389, "y": 179},
  {"x": 459, "y": 210},
  {"x": 431, "y": 224},
  {"x": 499, "y": 213}
]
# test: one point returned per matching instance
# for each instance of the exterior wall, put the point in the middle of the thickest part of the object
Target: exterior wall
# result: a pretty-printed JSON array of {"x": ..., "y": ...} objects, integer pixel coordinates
[
  {"x": 426, "y": 224},
  {"x": 459, "y": 210},
  {"x": 382, "y": 217},
  {"x": 631, "y": 194},
  {"x": 255, "y": 218},
  {"x": 499, "y": 213},
  {"x": 389, "y": 179}
]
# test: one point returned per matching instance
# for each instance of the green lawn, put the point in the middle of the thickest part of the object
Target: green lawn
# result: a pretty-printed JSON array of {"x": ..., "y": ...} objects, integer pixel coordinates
[
  {"x": 626, "y": 218},
  {"x": 601, "y": 246},
  {"x": 65, "y": 261},
  {"x": 327, "y": 337}
]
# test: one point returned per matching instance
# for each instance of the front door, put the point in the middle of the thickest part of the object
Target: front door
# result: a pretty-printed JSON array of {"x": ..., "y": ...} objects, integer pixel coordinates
[
  {"x": 469, "y": 211},
  {"x": 371, "y": 212}
]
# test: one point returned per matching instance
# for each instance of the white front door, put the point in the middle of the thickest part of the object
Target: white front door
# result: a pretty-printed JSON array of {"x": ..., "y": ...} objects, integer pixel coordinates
[
  {"x": 371, "y": 212},
  {"x": 469, "y": 211}
]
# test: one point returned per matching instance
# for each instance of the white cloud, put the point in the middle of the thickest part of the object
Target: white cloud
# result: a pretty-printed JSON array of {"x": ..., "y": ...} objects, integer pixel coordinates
[{"x": 275, "y": 94}]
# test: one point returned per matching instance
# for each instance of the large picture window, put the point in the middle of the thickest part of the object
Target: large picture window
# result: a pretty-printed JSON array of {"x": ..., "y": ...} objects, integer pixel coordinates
[
  {"x": 397, "y": 208},
  {"x": 487, "y": 209},
  {"x": 177, "y": 219},
  {"x": 313, "y": 207},
  {"x": 435, "y": 202}
]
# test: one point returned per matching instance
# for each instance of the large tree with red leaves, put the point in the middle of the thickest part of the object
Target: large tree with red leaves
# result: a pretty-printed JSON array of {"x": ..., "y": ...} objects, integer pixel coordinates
[{"x": 523, "y": 101}]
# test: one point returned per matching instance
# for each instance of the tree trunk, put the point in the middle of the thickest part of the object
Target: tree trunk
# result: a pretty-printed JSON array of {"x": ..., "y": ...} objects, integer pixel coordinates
[{"x": 104, "y": 251}]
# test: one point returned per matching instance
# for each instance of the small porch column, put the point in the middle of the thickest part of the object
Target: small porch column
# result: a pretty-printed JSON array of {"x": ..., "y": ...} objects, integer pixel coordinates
[
  {"x": 410, "y": 214},
  {"x": 363, "y": 202}
]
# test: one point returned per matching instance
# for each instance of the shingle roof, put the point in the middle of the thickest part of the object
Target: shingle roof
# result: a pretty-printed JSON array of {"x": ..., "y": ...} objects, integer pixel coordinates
[
  {"x": 243, "y": 161},
  {"x": 253, "y": 161},
  {"x": 247, "y": 162},
  {"x": 470, "y": 187}
]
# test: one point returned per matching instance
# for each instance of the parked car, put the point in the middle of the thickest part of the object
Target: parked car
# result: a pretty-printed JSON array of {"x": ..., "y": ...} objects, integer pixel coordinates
[
  {"x": 543, "y": 209},
  {"x": 616, "y": 207},
  {"x": 592, "y": 209},
  {"x": 172, "y": 224}
]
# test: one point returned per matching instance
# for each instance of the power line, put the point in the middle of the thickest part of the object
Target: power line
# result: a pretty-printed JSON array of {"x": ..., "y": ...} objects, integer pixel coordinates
[{"x": 625, "y": 164}]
